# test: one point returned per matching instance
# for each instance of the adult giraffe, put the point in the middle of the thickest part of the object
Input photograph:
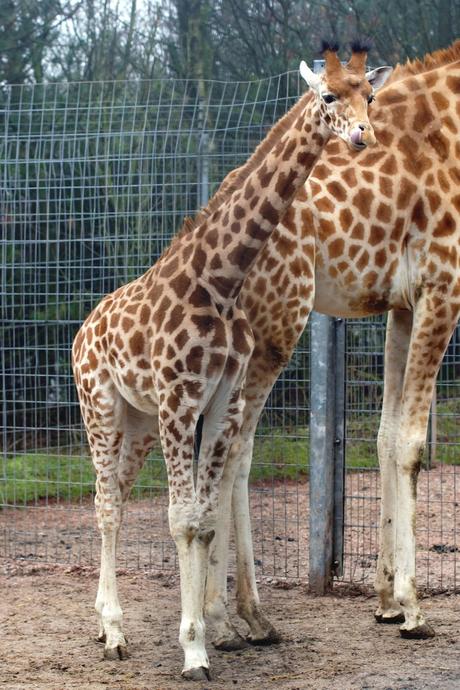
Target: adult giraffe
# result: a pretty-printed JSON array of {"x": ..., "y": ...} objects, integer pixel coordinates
[
  {"x": 174, "y": 344},
  {"x": 367, "y": 234}
]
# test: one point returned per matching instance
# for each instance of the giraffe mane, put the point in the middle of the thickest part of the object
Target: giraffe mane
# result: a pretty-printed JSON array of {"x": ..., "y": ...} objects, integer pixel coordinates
[
  {"x": 237, "y": 177},
  {"x": 430, "y": 61}
]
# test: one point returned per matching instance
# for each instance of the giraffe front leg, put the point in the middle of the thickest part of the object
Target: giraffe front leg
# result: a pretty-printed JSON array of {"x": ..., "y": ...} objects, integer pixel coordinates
[
  {"x": 191, "y": 532},
  {"x": 248, "y": 603},
  {"x": 409, "y": 452},
  {"x": 192, "y": 535},
  {"x": 398, "y": 333},
  {"x": 431, "y": 332},
  {"x": 221, "y": 457}
]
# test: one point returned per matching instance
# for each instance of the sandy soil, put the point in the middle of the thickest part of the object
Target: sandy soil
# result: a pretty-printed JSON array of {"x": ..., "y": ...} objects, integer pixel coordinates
[{"x": 48, "y": 627}]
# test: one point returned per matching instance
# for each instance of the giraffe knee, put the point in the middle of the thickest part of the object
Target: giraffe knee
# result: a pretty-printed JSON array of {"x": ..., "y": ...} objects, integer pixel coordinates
[{"x": 189, "y": 522}]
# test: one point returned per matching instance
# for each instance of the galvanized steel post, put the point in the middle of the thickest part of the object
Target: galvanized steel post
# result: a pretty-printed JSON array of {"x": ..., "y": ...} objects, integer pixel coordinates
[
  {"x": 322, "y": 425},
  {"x": 327, "y": 436},
  {"x": 327, "y": 433}
]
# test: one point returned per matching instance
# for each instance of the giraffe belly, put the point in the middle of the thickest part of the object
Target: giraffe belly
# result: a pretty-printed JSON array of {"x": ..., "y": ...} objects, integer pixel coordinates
[
  {"x": 333, "y": 302},
  {"x": 334, "y": 299}
]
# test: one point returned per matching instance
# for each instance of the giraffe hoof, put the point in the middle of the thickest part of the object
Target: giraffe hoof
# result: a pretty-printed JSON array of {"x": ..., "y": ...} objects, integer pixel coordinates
[
  {"x": 271, "y": 637},
  {"x": 389, "y": 620},
  {"x": 101, "y": 638},
  {"x": 232, "y": 644},
  {"x": 200, "y": 673},
  {"x": 116, "y": 653},
  {"x": 421, "y": 632}
]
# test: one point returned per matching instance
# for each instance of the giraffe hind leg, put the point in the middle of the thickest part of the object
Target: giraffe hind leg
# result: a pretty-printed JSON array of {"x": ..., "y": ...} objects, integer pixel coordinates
[
  {"x": 140, "y": 431},
  {"x": 103, "y": 415},
  {"x": 226, "y": 636}
]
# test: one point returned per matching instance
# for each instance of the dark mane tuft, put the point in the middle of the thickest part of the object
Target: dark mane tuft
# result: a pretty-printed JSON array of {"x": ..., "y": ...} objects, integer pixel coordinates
[
  {"x": 361, "y": 45},
  {"x": 333, "y": 46}
]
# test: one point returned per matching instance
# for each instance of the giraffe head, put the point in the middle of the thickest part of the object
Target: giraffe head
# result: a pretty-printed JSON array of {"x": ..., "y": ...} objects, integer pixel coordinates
[{"x": 344, "y": 92}]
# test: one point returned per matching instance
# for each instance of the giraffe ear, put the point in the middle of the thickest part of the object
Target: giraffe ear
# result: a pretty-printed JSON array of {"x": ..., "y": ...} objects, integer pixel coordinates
[
  {"x": 378, "y": 76},
  {"x": 313, "y": 80}
]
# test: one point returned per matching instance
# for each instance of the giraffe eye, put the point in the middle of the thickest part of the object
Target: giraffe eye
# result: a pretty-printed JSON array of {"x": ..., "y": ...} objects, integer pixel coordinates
[
  {"x": 371, "y": 98},
  {"x": 329, "y": 98}
]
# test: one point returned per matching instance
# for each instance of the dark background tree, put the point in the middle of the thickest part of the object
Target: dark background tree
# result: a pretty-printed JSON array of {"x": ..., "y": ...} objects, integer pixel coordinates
[
  {"x": 27, "y": 28},
  {"x": 206, "y": 39}
]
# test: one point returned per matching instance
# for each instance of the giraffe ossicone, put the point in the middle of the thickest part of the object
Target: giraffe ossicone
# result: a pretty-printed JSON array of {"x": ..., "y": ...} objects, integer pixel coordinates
[{"x": 175, "y": 343}]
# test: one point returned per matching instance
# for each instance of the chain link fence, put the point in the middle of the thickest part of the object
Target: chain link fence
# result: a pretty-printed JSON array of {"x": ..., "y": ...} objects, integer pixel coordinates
[{"x": 95, "y": 178}]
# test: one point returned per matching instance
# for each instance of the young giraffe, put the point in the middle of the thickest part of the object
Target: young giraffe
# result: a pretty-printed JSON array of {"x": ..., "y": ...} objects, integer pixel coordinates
[
  {"x": 174, "y": 344},
  {"x": 367, "y": 234}
]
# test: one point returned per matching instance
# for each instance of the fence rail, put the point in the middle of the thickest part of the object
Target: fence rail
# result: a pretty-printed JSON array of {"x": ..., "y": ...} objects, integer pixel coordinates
[{"x": 94, "y": 180}]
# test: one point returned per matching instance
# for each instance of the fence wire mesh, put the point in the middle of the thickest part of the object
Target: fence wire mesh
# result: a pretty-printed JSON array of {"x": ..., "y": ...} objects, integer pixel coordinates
[{"x": 95, "y": 179}]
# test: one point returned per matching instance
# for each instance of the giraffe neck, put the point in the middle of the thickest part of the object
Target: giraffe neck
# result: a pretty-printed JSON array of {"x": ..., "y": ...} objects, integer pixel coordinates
[{"x": 229, "y": 241}]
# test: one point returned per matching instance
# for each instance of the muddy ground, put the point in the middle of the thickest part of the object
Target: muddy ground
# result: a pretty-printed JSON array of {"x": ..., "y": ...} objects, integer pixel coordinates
[{"x": 48, "y": 627}]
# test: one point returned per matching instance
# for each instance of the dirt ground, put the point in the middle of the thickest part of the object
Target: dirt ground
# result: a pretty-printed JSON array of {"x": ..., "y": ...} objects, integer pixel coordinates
[{"x": 48, "y": 627}]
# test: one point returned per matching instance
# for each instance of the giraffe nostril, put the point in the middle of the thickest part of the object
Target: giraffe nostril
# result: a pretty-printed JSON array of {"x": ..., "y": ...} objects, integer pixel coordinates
[{"x": 362, "y": 128}]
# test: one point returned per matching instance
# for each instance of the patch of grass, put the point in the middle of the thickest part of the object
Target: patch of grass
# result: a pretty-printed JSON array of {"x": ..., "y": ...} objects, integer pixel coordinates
[
  {"x": 31, "y": 477},
  {"x": 361, "y": 454},
  {"x": 362, "y": 429},
  {"x": 278, "y": 454},
  {"x": 280, "y": 457}
]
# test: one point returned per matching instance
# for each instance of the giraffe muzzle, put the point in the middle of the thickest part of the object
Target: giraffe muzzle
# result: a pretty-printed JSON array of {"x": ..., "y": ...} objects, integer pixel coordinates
[{"x": 361, "y": 136}]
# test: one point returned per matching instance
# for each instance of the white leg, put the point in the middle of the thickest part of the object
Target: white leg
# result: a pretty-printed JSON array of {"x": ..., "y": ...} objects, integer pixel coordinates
[
  {"x": 193, "y": 512},
  {"x": 177, "y": 422},
  {"x": 432, "y": 329},
  {"x": 234, "y": 494},
  {"x": 398, "y": 334},
  {"x": 409, "y": 451},
  {"x": 104, "y": 423},
  {"x": 192, "y": 542}
]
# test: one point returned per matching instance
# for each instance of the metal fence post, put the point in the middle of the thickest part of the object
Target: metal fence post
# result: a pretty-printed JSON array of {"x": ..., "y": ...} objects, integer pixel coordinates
[
  {"x": 327, "y": 438},
  {"x": 203, "y": 158},
  {"x": 339, "y": 349},
  {"x": 322, "y": 418}
]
